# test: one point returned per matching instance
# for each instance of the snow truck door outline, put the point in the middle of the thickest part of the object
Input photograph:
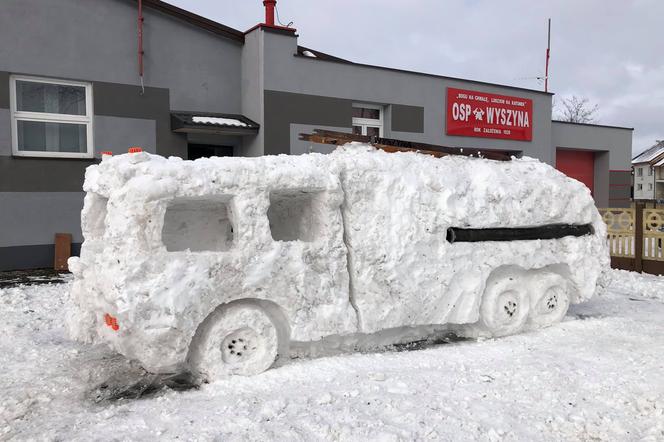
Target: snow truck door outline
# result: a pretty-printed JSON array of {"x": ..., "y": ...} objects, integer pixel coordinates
[
  {"x": 293, "y": 238},
  {"x": 307, "y": 225}
]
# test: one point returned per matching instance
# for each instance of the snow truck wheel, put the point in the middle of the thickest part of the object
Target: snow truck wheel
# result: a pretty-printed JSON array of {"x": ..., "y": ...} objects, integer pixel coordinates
[
  {"x": 505, "y": 305},
  {"x": 240, "y": 338},
  {"x": 550, "y": 299}
]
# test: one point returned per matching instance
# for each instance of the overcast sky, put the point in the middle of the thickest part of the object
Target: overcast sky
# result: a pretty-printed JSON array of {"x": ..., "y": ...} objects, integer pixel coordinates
[{"x": 609, "y": 51}]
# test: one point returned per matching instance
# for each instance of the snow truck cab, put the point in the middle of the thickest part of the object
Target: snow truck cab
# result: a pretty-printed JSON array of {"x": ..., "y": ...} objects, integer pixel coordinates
[{"x": 217, "y": 265}]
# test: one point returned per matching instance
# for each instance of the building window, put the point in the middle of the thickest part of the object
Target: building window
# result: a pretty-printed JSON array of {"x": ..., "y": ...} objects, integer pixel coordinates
[
  {"x": 650, "y": 171},
  {"x": 649, "y": 186},
  {"x": 639, "y": 171},
  {"x": 51, "y": 118},
  {"x": 368, "y": 120},
  {"x": 639, "y": 187}
]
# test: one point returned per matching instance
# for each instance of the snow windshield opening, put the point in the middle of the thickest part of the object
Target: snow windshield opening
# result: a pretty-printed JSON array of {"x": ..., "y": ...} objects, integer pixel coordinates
[
  {"x": 198, "y": 224},
  {"x": 294, "y": 215},
  {"x": 95, "y": 222}
]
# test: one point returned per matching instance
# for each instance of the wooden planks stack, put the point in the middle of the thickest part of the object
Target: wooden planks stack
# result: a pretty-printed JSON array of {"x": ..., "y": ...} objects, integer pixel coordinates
[{"x": 392, "y": 145}]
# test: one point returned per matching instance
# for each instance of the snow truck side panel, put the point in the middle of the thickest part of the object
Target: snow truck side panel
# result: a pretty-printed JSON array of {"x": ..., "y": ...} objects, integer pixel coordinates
[
  {"x": 352, "y": 241},
  {"x": 397, "y": 211},
  {"x": 182, "y": 238}
]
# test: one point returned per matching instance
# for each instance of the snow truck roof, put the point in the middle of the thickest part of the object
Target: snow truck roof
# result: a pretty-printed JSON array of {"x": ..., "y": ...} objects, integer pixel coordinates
[{"x": 473, "y": 191}]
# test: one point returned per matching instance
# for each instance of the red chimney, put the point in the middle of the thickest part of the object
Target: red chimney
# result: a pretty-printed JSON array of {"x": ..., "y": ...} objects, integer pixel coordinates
[{"x": 269, "y": 11}]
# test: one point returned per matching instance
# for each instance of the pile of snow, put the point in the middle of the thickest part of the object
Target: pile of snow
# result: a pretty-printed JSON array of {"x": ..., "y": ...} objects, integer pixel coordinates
[
  {"x": 642, "y": 284},
  {"x": 354, "y": 241}
]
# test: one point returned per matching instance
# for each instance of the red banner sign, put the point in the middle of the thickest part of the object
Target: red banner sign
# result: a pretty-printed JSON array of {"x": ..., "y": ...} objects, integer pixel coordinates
[{"x": 478, "y": 114}]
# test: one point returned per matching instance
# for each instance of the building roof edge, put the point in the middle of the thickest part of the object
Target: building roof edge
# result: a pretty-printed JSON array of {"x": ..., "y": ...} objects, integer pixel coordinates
[{"x": 592, "y": 125}]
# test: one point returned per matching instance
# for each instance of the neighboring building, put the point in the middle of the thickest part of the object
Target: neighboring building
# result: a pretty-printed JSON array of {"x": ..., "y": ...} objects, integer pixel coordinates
[
  {"x": 70, "y": 89},
  {"x": 648, "y": 169}
]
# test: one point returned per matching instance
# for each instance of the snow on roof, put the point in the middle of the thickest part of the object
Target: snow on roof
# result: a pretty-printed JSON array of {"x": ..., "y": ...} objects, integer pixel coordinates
[
  {"x": 651, "y": 154},
  {"x": 659, "y": 163},
  {"x": 219, "y": 121}
]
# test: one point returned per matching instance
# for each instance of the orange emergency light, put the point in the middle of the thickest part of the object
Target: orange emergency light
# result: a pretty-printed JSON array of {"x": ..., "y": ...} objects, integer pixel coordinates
[{"x": 111, "y": 321}]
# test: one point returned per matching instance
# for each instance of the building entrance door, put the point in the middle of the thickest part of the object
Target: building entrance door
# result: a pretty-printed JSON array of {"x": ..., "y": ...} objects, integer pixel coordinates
[{"x": 195, "y": 151}]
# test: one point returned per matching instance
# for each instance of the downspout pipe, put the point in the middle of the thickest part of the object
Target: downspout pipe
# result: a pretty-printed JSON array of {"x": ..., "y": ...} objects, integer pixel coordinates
[{"x": 141, "y": 52}]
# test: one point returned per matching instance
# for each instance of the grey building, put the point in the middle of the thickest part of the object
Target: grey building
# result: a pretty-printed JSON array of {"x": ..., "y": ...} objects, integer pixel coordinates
[{"x": 70, "y": 88}]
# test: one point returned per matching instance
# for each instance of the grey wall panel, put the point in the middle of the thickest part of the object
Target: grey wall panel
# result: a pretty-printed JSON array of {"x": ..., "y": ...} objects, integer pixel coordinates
[
  {"x": 299, "y": 147},
  {"x": 283, "y": 108},
  {"x": 620, "y": 188},
  {"x": 617, "y": 141},
  {"x": 31, "y": 257},
  {"x": 117, "y": 134},
  {"x": 42, "y": 174},
  {"x": 407, "y": 118},
  {"x": 601, "y": 179},
  {"x": 202, "y": 70},
  {"x": 96, "y": 40},
  {"x": 126, "y": 100},
  {"x": 252, "y": 91},
  {"x": 303, "y": 75},
  {"x": 4, "y": 89},
  {"x": 5, "y": 133},
  {"x": 619, "y": 193},
  {"x": 123, "y": 100},
  {"x": 31, "y": 218},
  {"x": 619, "y": 177}
]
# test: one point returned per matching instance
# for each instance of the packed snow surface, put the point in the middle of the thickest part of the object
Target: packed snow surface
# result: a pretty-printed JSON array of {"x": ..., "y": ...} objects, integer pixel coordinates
[
  {"x": 351, "y": 242},
  {"x": 595, "y": 376},
  {"x": 646, "y": 286}
]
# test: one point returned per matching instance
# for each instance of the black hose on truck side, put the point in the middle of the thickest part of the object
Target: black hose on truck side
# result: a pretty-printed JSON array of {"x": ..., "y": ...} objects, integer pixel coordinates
[{"x": 551, "y": 231}]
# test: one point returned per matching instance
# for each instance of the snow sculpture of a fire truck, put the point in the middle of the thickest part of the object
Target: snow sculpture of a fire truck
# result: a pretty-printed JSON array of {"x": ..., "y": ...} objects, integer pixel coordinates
[{"x": 217, "y": 265}]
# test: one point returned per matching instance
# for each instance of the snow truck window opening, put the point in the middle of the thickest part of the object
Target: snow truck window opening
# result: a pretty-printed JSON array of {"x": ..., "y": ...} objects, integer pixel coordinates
[
  {"x": 294, "y": 215},
  {"x": 551, "y": 231},
  {"x": 96, "y": 222},
  {"x": 198, "y": 224}
]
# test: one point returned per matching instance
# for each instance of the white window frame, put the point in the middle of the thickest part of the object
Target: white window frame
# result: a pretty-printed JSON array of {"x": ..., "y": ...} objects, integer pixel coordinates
[
  {"x": 364, "y": 122},
  {"x": 639, "y": 171},
  {"x": 17, "y": 115}
]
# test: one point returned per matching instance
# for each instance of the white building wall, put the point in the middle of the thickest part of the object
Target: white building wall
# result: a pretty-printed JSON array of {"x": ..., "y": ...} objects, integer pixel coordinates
[
  {"x": 644, "y": 182},
  {"x": 659, "y": 183}
]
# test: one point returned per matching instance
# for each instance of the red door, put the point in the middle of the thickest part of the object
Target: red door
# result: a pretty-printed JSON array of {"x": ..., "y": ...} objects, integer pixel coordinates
[{"x": 577, "y": 164}]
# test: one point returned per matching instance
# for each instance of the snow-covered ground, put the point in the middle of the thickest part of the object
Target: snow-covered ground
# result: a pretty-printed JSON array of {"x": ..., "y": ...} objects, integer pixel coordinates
[{"x": 599, "y": 375}]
